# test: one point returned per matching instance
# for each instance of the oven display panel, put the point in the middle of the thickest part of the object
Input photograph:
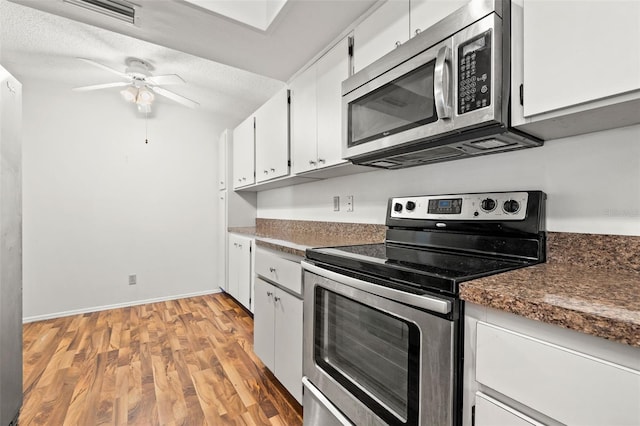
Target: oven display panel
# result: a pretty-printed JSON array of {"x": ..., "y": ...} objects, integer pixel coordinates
[{"x": 445, "y": 206}]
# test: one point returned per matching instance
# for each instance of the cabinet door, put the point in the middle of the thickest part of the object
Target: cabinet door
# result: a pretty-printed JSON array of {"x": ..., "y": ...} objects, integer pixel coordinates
[
  {"x": 579, "y": 51},
  {"x": 264, "y": 321},
  {"x": 333, "y": 68},
  {"x": 244, "y": 272},
  {"x": 571, "y": 387},
  {"x": 222, "y": 240},
  {"x": 234, "y": 262},
  {"x": 243, "y": 153},
  {"x": 425, "y": 13},
  {"x": 379, "y": 33},
  {"x": 304, "y": 121},
  {"x": 272, "y": 137},
  {"x": 222, "y": 161},
  {"x": 288, "y": 342}
]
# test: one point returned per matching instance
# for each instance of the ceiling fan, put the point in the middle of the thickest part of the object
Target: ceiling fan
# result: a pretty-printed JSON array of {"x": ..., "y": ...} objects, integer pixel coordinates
[{"x": 141, "y": 84}]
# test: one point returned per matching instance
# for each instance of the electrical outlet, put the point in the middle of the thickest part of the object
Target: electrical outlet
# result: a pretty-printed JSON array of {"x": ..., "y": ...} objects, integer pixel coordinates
[
  {"x": 349, "y": 203},
  {"x": 336, "y": 203},
  {"x": 133, "y": 279}
]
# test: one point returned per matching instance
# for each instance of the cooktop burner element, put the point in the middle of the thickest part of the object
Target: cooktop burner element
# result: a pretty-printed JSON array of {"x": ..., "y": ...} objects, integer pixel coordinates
[{"x": 434, "y": 243}]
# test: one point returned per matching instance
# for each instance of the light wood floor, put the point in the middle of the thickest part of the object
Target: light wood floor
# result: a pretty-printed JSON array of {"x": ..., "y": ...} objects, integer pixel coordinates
[{"x": 182, "y": 362}]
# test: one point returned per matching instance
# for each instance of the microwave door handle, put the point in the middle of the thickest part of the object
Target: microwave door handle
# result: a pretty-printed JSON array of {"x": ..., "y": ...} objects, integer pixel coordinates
[{"x": 441, "y": 83}]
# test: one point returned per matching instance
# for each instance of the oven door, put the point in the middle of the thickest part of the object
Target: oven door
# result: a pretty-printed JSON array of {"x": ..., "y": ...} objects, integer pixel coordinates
[
  {"x": 379, "y": 355},
  {"x": 430, "y": 95}
]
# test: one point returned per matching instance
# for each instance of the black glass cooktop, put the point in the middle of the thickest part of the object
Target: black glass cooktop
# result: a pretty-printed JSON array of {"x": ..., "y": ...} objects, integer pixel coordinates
[{"x": 417, "y": 267}]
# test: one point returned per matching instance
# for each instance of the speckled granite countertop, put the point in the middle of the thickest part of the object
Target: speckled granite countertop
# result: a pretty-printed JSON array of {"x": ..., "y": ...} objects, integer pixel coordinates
[
  {"x": 295, "y": 236},
  {"x": 591, "y": 284}
]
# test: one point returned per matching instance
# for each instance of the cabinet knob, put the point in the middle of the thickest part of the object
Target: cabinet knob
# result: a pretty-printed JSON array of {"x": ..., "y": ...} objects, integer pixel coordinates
[
  {"x": 269, "y": 293},
  {"x": 244, "y": 178},
  {"x": 239, "y": 180},
  {"x": 418, "y": 31},
  {"x": 266, "y": 172},
  {"x": 239, "y": 245},
  {"x": 272, "y": 170},
  {"x": 398, "y": 44},
  {"x": 221, "y": 183},
  {"x": 272, "y": 269},
  {"x": 321, "y": 160},
  {"x": 311, "y": 162},
  {"x": 276, "y": 298}
]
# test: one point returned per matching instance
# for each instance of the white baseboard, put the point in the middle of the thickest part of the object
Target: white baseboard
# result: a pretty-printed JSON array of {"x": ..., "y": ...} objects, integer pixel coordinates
[{"x": 115, "y": 306}]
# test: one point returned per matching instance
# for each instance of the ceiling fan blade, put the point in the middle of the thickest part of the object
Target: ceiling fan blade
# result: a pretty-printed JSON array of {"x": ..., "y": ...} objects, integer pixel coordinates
[
  {"x": 164, "y": 80},
  {"x": 175, "y": 97},
  {"x": 100, "y": 86},
  {"x": 104, "y": 67}
]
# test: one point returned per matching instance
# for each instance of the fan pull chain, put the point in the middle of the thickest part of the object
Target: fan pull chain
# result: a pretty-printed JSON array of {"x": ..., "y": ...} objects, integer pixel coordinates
[{"x": 146, "y": 127}]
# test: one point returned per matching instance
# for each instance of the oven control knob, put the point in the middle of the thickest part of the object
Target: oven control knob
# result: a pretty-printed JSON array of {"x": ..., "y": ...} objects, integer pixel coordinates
[
  {"x": 397, "y": 207},
  {"x": 411, "y": 205},
  {"x": 488, "y": 204},
  {"x": 511, "y": 206}
]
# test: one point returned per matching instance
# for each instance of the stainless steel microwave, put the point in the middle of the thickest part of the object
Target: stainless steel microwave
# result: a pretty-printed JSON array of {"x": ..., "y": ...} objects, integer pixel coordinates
[{"x": 443, "y": 95}]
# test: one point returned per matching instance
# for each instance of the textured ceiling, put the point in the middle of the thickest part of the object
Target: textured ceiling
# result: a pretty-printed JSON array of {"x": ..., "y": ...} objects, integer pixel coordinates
[
  {"x": 299, "y": 32},
  {"x": 38, "y": 45}
]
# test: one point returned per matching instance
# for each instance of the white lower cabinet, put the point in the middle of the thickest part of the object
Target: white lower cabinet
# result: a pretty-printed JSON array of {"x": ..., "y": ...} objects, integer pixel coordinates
[
  {"x": 566, "y": 385},
  {"x": 523, "y": 372},
  {"x": 278, "y": 326},
  {"x": 264, "y": 322},
  {"x": 240, "y": 273}
]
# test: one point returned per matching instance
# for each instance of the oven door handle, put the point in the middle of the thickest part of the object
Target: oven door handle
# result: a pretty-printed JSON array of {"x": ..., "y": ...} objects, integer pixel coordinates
[
  {"x": 325, "y": 402},
  {"x": 418, "y": 300}
]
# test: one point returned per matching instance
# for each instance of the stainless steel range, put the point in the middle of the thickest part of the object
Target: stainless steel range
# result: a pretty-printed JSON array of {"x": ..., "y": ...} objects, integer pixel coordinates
[{"x": 383, "y": 322}]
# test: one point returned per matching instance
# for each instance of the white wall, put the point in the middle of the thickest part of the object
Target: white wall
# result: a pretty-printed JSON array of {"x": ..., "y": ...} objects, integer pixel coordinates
[
  {"x": 100, "y": 204},
  {"x": 592, "y": 182}
]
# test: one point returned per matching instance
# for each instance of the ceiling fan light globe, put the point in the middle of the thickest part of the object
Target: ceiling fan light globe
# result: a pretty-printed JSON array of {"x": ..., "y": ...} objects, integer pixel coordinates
[
  {"x": 130, "y": 94},
  {"x": 145, "y": 97}
]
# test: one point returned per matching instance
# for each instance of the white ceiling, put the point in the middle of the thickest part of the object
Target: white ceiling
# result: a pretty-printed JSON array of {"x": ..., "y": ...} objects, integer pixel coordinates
[{"x": 186, "y": 41}]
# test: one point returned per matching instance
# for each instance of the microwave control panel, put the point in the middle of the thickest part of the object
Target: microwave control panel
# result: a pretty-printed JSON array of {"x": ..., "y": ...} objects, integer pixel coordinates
[{"x": 474, "y": 73}]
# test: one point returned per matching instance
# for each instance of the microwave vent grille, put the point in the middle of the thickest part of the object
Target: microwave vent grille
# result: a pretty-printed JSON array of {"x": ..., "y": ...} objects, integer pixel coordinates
[
  {"x": 414, "y": 158},
  {"x": 428, "y": 155}
]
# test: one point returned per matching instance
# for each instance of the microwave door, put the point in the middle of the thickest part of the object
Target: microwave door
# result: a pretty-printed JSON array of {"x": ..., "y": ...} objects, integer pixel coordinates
[
  {"x": 395, "y": 107},
  {"x": 407, "y": 102}
]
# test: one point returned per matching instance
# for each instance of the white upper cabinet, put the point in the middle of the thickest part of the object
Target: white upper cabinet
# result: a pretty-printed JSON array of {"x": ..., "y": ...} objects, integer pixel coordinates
[
  {"x": 394, "y": 23},
  {"x": 381, "y": 32},
  {"x": 304, "y": 120},
  {"x": 579, "y": 51},
  {"x": 316, "y": 111},
  {"x": 243, "y": 153},
  {"x": 272, "y": 137},
  {"x": 577, "y": 65},
  {"x": 222, "y": 161},
  {"x": 332, "y": 69},
  {"x": 425, "y": 13}
]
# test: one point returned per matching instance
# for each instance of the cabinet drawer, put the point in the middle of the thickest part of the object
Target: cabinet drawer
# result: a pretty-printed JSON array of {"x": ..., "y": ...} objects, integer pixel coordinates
[
  {"x": 566, "y": 385},
  {"x": 284, "y": 272},
  {"x": 490, "y": 412}
]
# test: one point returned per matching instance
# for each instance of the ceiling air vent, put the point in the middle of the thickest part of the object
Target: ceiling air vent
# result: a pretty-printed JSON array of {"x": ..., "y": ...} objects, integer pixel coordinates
[{"x": 119, "y": 9}]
